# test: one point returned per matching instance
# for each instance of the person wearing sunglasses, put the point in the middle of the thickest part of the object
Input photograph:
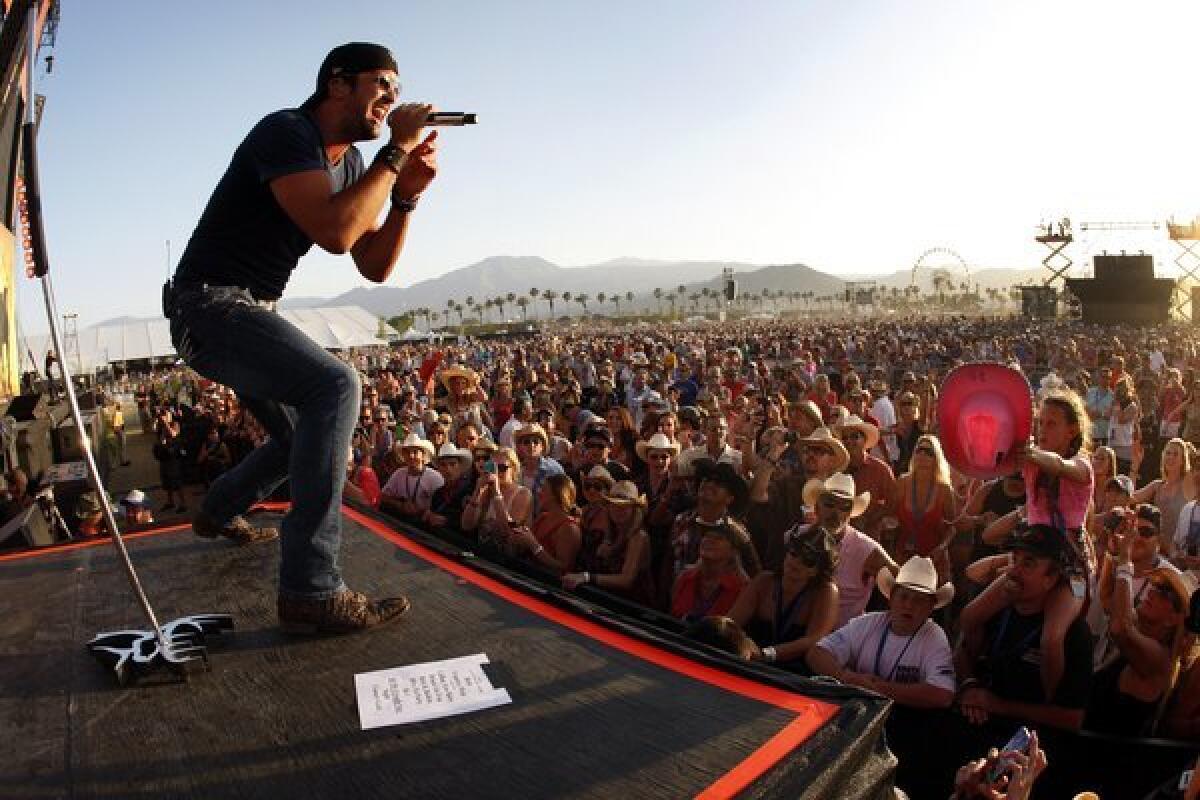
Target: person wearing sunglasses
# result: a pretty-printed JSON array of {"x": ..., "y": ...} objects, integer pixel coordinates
[
  {"x": 787, "y": 611},
  {"x": 499, "y": 505},
  {"x": 297, "y": 179},
  {"x": 1146, "y": 629},
  {"x": 835, "y": 502}
]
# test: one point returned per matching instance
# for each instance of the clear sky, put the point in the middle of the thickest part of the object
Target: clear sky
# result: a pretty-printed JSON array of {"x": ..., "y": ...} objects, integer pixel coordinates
[{"x": 850, "y": 136}]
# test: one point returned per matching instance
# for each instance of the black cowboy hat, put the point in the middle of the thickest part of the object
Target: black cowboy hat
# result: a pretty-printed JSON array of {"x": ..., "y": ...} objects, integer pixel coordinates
[{"x": 725, "y": 476}]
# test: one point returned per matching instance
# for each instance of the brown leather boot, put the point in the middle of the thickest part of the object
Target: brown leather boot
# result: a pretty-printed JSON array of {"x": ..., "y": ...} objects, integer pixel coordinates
[
  {"x": 238, "y": 530},
  {"x": 344, "y": 612}
]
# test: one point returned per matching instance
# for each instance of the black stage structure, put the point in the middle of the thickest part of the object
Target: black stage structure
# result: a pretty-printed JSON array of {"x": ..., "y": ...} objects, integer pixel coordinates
[{"x": 603, "y": 705}]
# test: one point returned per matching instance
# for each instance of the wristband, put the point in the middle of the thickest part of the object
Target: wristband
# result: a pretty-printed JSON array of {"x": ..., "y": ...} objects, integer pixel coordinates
[
  {"x": 403, "y": 204},
  {"x": 540, "y": 549},
  {"x": 587, "y": 577},
  {"x": 391, "y": 157},
  {"x": 769, "y": 655}
]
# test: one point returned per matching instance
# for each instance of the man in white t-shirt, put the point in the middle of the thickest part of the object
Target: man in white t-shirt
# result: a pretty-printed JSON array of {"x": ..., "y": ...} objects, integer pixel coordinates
[
  {"x": 884, "y": 413},
  {"x": 409, "y": 492},
  {"x": 900, "y": 653}
]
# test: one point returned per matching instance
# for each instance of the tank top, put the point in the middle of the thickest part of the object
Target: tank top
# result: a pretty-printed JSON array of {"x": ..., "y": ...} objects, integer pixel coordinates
[
  {"x": 1066, "y": 512},
  {"x": 920, "y": 531},
  {"x": 1110, "y": 710},
  {"x": 854, "y": 588}
]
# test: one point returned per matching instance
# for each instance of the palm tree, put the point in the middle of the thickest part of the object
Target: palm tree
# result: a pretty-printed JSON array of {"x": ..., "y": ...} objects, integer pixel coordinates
[
  {"x": 523, "y": 304},
  {"x": 671, "y": 300},
  {"x": 629, "y": 298},
  {"x": 566, "y": 297},
  {"x": 428, "y": 314},
  {"x": 458, "y": 309},
  {"x": 533, "y": 296},
  {"x": 615, "y": 299},
  {"x": 658, "y": 295},
  {"x": 582, "y": 299},
  {"x": 694, "y": 297},
  {"x": 498, "y": 302},
  {"x": 511, "y": 298},
  {"x": 550, "y": 296},
  {"x": 601, "y": 297}
]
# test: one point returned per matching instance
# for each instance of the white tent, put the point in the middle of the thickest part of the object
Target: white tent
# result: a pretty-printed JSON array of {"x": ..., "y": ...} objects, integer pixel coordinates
[{"x": 335, "y": 328}]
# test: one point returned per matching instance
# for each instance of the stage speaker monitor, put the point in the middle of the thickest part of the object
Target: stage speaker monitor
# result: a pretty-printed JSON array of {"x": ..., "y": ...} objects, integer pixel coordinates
[
  {"x": 1039, "y": 302},
  {"x": 26, "y": 407},
  {"x": 1122, "y": 267}
]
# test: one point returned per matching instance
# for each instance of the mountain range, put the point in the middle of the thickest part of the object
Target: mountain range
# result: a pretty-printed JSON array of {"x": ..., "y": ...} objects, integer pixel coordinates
[{"x": 499, "y": 275}]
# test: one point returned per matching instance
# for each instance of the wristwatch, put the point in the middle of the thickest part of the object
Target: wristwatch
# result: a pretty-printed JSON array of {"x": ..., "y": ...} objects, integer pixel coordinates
[{"x": 391, "y": 156}]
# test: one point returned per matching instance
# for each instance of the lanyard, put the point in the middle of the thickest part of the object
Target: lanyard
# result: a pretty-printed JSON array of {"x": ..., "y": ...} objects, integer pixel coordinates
[
  {"x": 783, "y": 618},
  {"x": 883, "y": 640},
  {"x": 1019, "y": 646},
  {"x": 700, "y": 603},
  {"x": 412, "y": 494}
]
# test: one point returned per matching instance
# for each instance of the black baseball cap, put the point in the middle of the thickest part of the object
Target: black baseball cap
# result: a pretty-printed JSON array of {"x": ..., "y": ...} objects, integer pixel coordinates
[
  {"x": 350, "y": 59},
  {"x": 1042, "y": 541}
]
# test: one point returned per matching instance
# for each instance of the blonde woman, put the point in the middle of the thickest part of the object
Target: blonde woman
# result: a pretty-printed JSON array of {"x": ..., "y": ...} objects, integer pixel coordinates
[
  {"x": 925, "y": 506},
  {"x": 1104, "y": 468},
  {"x": 499, "y": 504},
  {"x": 1171, "y": 491}
]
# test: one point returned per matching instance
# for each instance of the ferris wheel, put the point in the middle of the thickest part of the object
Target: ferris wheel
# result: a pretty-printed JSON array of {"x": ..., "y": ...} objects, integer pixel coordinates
[{"x": 943, "y": 263}]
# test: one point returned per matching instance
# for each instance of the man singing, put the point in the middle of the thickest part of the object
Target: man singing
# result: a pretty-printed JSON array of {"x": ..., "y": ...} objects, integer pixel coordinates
[{"x": 296, "y": 179}]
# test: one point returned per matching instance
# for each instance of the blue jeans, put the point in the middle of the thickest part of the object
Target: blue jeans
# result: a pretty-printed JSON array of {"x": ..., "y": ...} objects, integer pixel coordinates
[{"x": 308, "y": 402}]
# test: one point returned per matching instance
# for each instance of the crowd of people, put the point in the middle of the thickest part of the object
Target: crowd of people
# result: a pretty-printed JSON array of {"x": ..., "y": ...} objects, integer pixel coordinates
[{"x": 782, "y": 489}]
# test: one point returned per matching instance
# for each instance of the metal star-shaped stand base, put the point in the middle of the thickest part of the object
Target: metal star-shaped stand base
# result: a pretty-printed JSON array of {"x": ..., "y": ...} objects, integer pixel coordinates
[{"x": 132, "y": 654}]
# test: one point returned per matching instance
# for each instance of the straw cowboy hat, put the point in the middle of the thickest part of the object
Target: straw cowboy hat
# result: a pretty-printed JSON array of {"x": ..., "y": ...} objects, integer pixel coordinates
[
  {"x": 483, "y": 445},
  {"x": 136, "y": 498},
  {"x": 448, "y": 450},
  {"x": 823, "y": 436},
  {"x": 600, "y": 474},
  {"x": 532, "y": 429},
  {"x": 625, "y": 493},
  {"x": 985, "y": 411},
  {"x": 855, "y": 423},
  {"x": 412, "y": 441},
  {"x": 658, "y": 441},
  {"x": 458, "y": 371},
  {"x": 841, "y": 485},
  {"x": 919, "y": 575}
]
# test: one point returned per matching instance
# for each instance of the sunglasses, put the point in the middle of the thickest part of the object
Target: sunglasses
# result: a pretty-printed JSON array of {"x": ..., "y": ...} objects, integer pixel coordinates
[
  {"x": 388, "y": 84},
  {"x": 929, "y": 451},
  {"x": 660, "y": 457},
  {"x": 841, "y": 504},
  {"x": 595, "y": 446},
  {"x": 1147, "y": 531},
  {"x": 529, "y": 440},
  {"x": 854, "y": 435},
  {"x": 597, "y": 486},
  {"x": 818, "y": 451},
  {"x": 500, "y": 466},
  {"x": 481, "y": 458},
  {"x": 1168, "y": 591}
]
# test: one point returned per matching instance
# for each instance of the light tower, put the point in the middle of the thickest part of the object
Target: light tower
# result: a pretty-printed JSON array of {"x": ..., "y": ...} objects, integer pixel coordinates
[{"x": 1187, "y": 236}]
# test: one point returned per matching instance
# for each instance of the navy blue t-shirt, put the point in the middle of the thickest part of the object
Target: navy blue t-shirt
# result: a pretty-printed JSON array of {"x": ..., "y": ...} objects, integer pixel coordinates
[{"x": 244, "y": 238}]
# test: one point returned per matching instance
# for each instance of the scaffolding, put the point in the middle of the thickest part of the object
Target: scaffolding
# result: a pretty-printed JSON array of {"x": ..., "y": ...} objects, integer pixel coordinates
[{"x": 1187, "y": 237}]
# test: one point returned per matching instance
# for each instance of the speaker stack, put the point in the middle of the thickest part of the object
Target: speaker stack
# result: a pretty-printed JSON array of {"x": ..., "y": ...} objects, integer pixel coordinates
[{"x": 1124, "y": 291}]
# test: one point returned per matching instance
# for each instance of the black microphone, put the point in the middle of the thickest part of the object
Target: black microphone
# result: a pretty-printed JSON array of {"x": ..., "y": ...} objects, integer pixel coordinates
[{"x": 450, "y": 118}]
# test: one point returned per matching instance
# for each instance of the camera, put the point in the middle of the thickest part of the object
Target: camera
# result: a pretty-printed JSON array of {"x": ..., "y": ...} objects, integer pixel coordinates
[{"x": 1114, "y": 518}]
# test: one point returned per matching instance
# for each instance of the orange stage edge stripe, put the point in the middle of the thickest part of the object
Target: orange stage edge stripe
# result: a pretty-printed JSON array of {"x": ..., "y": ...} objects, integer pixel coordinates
[{"x": 812, "y": 714}]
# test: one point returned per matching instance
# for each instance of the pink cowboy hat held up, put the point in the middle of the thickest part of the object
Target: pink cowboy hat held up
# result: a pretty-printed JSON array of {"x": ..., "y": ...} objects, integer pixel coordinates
[{"x": 984, "y": 412}]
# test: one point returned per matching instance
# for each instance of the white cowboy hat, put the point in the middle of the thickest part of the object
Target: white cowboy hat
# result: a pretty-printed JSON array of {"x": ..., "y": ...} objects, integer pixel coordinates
[
  {"x": 823, "y": 436},
  {"x": 658, "y": 441},
  {"x": 532, "y": 429},
  {"x": 413, "y": 441},
  {"x": 600, "y": 474},
  {"x": 135, "y": 498},
  {"x": 625, "y": 493},
  {"x": 854, "y": 422},
  {"x": 448, "y": 450},
  {"x": 458, "y": 371},
  {"x": 918, "y": 574},
  {"x": 841, "y": 485}
]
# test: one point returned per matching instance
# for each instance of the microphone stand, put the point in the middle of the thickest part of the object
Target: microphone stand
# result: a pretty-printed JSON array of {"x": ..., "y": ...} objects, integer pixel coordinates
[{"x": 178, "y": 646}]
